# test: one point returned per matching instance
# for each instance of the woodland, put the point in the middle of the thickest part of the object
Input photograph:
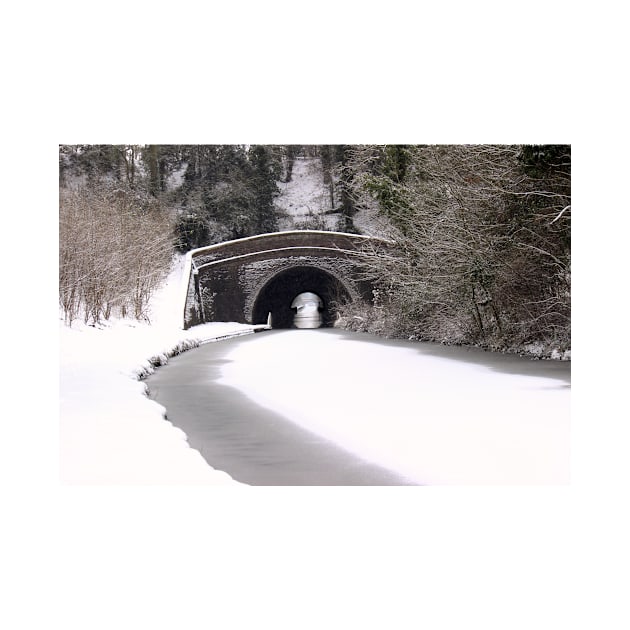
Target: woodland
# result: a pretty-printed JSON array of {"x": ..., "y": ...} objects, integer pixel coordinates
[{"x": 479, "y": 235}]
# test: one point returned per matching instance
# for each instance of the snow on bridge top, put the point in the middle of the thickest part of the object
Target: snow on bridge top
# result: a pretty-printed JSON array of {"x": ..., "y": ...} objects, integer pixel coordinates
[{"x": 276, "y": 240}]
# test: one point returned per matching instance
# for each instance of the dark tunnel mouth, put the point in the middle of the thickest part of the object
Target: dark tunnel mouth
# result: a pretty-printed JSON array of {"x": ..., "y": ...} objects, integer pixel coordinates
[{"x": 278, "y": 294}]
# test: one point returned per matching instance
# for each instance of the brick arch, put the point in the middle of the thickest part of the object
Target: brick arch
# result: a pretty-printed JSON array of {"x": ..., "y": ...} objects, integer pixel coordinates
[{"x": 276, "y": 293}]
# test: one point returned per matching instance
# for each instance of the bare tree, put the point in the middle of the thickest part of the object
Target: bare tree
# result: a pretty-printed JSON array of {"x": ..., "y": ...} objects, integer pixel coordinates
[
  {"x": 482, "y": 241},
  {"x": 114, "y": 249}
]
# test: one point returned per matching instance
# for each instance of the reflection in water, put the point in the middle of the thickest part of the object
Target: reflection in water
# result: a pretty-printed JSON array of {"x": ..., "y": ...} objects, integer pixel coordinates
[{"x": 307, "y": 310}]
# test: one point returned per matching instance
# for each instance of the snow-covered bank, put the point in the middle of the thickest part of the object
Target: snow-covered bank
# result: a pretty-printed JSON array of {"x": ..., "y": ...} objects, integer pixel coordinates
[{"x": 110, "y": 432}]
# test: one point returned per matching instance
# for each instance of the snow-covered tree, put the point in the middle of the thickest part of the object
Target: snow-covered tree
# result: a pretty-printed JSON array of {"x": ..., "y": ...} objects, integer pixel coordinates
[{"x": 482, "y": 240}]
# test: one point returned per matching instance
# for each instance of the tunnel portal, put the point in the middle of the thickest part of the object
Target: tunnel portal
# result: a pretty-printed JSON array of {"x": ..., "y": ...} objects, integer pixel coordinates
[
  {"x": 246, "y": 279},
  {"x": 278, "y": 294}
]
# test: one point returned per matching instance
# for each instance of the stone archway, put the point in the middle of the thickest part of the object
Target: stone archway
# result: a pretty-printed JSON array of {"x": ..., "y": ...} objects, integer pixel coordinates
[
  {"x": 245, "y": 279},
  {"x": 277, "y": 294}
]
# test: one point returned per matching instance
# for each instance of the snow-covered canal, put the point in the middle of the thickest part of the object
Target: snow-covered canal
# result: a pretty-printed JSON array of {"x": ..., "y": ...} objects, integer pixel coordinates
[{"x": 269, "y": 409}]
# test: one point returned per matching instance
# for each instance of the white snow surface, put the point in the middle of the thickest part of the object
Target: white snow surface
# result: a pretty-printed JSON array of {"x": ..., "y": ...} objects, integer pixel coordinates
[
  {"x": 110, "y": 431},
  {"x": 433, "y": 420},
  {"x": 305, "y": 196}
]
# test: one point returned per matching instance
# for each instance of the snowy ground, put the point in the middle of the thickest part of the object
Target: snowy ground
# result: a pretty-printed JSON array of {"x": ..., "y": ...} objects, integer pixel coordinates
[
  {"x": 110, "y": 432},
  {"x": 431, "y": 419},
  {"x": 307, "y": 198},
  {"x": 498, "y": 429},
  {"x": 304, "y": 197}
]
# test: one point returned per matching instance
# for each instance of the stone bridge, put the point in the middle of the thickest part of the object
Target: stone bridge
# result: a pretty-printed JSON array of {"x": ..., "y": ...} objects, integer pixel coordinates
[{"x": 247, "y": 279}]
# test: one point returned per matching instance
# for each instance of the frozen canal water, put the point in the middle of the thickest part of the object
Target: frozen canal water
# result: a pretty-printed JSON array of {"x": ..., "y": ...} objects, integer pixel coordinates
[
  {"x": 253, "y": 444},
  {"x": 328, "y": 407}
]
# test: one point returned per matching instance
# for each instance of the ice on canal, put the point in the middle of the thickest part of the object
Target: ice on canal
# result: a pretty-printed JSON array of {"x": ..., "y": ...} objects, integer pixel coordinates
[{"x": 433, "y": 419}]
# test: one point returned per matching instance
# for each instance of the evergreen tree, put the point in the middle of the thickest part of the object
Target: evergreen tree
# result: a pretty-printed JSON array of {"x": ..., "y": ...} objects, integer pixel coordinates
[
  {"x": 344, "y": 187},
  {"x": 291, "y": 151},
  {"x": 265, "y": 171},
  {"x": 151, "y": 156}
]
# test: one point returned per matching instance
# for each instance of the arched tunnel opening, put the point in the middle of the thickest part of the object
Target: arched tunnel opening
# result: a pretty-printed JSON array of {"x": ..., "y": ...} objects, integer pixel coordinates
[{"x": 278, "y": 294}]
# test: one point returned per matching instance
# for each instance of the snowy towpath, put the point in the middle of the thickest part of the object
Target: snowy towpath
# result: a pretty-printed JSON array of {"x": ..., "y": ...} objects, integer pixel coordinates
[{"x": 109, "y": 431}]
